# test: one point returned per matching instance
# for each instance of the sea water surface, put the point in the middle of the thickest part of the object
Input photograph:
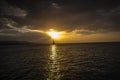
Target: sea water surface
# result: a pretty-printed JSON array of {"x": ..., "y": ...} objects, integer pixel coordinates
[{"x": 93, "y": 61}]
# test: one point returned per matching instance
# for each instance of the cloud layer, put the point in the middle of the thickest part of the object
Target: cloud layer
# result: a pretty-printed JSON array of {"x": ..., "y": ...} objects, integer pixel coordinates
[{"x": 27, "y": 18}]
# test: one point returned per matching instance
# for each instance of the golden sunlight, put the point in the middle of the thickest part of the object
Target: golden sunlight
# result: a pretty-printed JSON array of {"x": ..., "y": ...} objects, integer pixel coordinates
[{"x": 54, "y": 34}]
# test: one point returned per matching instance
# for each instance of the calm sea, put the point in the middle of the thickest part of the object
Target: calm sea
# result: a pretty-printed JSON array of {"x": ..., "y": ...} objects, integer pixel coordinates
[{"x": 93, "y": 61}]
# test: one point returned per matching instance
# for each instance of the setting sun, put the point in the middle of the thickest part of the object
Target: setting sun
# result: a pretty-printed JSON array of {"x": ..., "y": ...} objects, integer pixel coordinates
[
  {"x": 53, "y": 34},
  {"x": 58, "y": 35}
]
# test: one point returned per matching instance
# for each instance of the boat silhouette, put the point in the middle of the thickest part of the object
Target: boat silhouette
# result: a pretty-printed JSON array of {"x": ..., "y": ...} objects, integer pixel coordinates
[{"x": 53, "y": 42}]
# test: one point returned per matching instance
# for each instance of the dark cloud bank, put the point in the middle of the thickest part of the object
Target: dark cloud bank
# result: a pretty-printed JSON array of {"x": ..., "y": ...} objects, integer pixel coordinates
[{"x": 92, "y": 16}]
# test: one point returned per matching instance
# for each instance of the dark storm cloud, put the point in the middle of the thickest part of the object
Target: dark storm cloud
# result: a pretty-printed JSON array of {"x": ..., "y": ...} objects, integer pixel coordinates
[
  {"x": 71, "y": 14},
  {"x": 28, "y": 36},
  {"x": 10, "y": 14},
  {"x": 7, "y": 9},
  {"x": 12, "y": 26},
  {"x": 22, "y": 33}
]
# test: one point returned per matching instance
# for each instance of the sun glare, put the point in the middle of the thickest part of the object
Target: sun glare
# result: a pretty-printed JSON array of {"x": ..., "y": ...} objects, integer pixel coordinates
[{"x": 53, "y": 34}]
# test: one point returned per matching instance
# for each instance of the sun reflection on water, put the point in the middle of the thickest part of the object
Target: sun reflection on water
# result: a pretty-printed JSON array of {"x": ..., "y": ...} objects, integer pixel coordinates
[{"x": 54, "y": 66}]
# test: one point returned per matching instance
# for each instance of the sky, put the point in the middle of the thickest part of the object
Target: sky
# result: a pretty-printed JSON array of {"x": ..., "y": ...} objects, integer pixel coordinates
[{"x": 80, "y": 20}]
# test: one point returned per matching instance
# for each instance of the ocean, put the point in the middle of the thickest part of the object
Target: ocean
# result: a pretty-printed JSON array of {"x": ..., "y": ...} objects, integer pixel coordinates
[{"x": 85, "y": 61}]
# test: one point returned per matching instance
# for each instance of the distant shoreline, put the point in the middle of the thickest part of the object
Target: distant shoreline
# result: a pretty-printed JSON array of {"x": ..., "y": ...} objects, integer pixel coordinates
[{"x": 33, "y": 43}]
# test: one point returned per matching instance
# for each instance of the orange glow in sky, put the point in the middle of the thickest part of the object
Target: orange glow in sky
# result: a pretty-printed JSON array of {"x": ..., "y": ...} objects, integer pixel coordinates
[{"x": 53, "y": 34}]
